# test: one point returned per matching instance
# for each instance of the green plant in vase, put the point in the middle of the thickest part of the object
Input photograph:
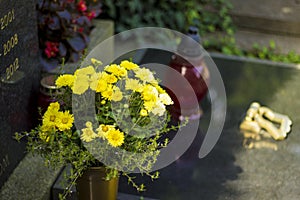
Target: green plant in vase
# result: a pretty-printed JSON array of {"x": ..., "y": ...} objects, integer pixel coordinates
[{"x": 121, "y": 131}]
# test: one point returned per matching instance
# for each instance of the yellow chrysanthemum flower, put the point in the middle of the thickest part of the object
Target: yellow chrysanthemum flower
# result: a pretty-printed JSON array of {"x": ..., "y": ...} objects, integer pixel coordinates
[
  {"x": 96, "y": 62},
  {"x": 94, "y": 80},
  {"x": 159, "y": 89},
  {"x": 89, "y": 70},
  {"x": 145, "y": 75},
  {"x": 150, "y": 96},
  {"x": 81, "y": 84},
  {"x": 101, "y": 86},
  {"x": 64, "y": 121},
  {"x": 88, "y": 134},
  {"x": 53, "y": 106},
  {"x": 107, "y": 94},
  {"x": 115, "y": 137},
  {"x": 89, "y": 124},
  {"x": 165, "y": 99},
  {"x": 117, "y": 94},
  {"x": 159, "y": 109},
  {"x": 103, "y": 130},
  {"x": 149, "y": 105},
  {"x": 129, "y": 65},
  {"x": 87, "y": 77},
  {"x": 143, "y": 112},
  {"x": 149, "y": 93},
  {"x": 50, "y": 116},
  {"x": 116, "y": 70},
  {"x": 122, "y": 72},
  {"x": 65, "y": 80},
  {"x": 109, "y": 78},
  {"x": 132, "y": 84}
]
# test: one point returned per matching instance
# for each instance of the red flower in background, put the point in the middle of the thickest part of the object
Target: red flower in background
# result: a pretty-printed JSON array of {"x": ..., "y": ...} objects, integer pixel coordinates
[
  {"x": 51, "y": 49},
  {"x": 91, "y": 15},
  {"x": 81, "y": 6},
  {"x": 80, "y": 29}
]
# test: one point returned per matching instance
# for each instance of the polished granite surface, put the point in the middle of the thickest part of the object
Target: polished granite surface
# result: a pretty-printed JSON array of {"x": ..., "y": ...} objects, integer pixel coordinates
[
  {"x": 19, "y": 79},
  {"x": 230, "y": 170}
]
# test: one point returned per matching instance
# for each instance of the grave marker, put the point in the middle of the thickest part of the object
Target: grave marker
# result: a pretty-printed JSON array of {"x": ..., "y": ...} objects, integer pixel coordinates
[{"x": 19, "y": 75}]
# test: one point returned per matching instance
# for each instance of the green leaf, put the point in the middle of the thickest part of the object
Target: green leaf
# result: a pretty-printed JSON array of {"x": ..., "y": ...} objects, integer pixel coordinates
[
  {"x": 272, "y": 44},
  {"x": 226, "y": 50}
]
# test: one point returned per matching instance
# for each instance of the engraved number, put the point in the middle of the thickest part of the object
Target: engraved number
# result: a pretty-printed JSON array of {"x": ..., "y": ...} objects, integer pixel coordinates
[
  {"x": 7, "y": 19},
  {"x": 10, "y": 44},
  {"x": 12, "y": 68}
]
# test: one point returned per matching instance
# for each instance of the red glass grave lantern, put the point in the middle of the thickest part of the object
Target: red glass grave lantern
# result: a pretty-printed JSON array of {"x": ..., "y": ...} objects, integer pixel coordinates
[
  {"x": 48, "y": 92},
  {"x": 189, "y": 62}
]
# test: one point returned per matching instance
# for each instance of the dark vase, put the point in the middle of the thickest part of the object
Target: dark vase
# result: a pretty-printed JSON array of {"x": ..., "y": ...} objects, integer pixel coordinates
[{"x": 93, "y": 186}]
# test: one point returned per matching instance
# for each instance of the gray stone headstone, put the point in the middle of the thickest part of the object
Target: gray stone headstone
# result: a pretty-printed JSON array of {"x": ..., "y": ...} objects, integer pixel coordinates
[{"x": 19, "y": 75}]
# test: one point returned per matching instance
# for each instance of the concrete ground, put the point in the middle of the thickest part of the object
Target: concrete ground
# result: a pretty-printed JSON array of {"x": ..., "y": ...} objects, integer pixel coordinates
[{"x": 261, "y": 21}]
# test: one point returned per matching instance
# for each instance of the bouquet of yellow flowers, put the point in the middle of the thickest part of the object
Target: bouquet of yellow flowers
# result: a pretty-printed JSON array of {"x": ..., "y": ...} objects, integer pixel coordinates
[{"x": 113, "y": 116}]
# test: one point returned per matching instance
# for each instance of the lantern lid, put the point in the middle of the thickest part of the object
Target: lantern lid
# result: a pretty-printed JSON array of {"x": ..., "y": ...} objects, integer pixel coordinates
[{"x": 190, "y": 46}]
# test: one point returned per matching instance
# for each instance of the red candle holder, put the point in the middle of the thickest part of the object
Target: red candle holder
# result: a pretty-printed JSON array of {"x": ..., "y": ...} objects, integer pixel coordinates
[
  {"x": 48, "y": 92},
  {"x": 189, "y": 62}
]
